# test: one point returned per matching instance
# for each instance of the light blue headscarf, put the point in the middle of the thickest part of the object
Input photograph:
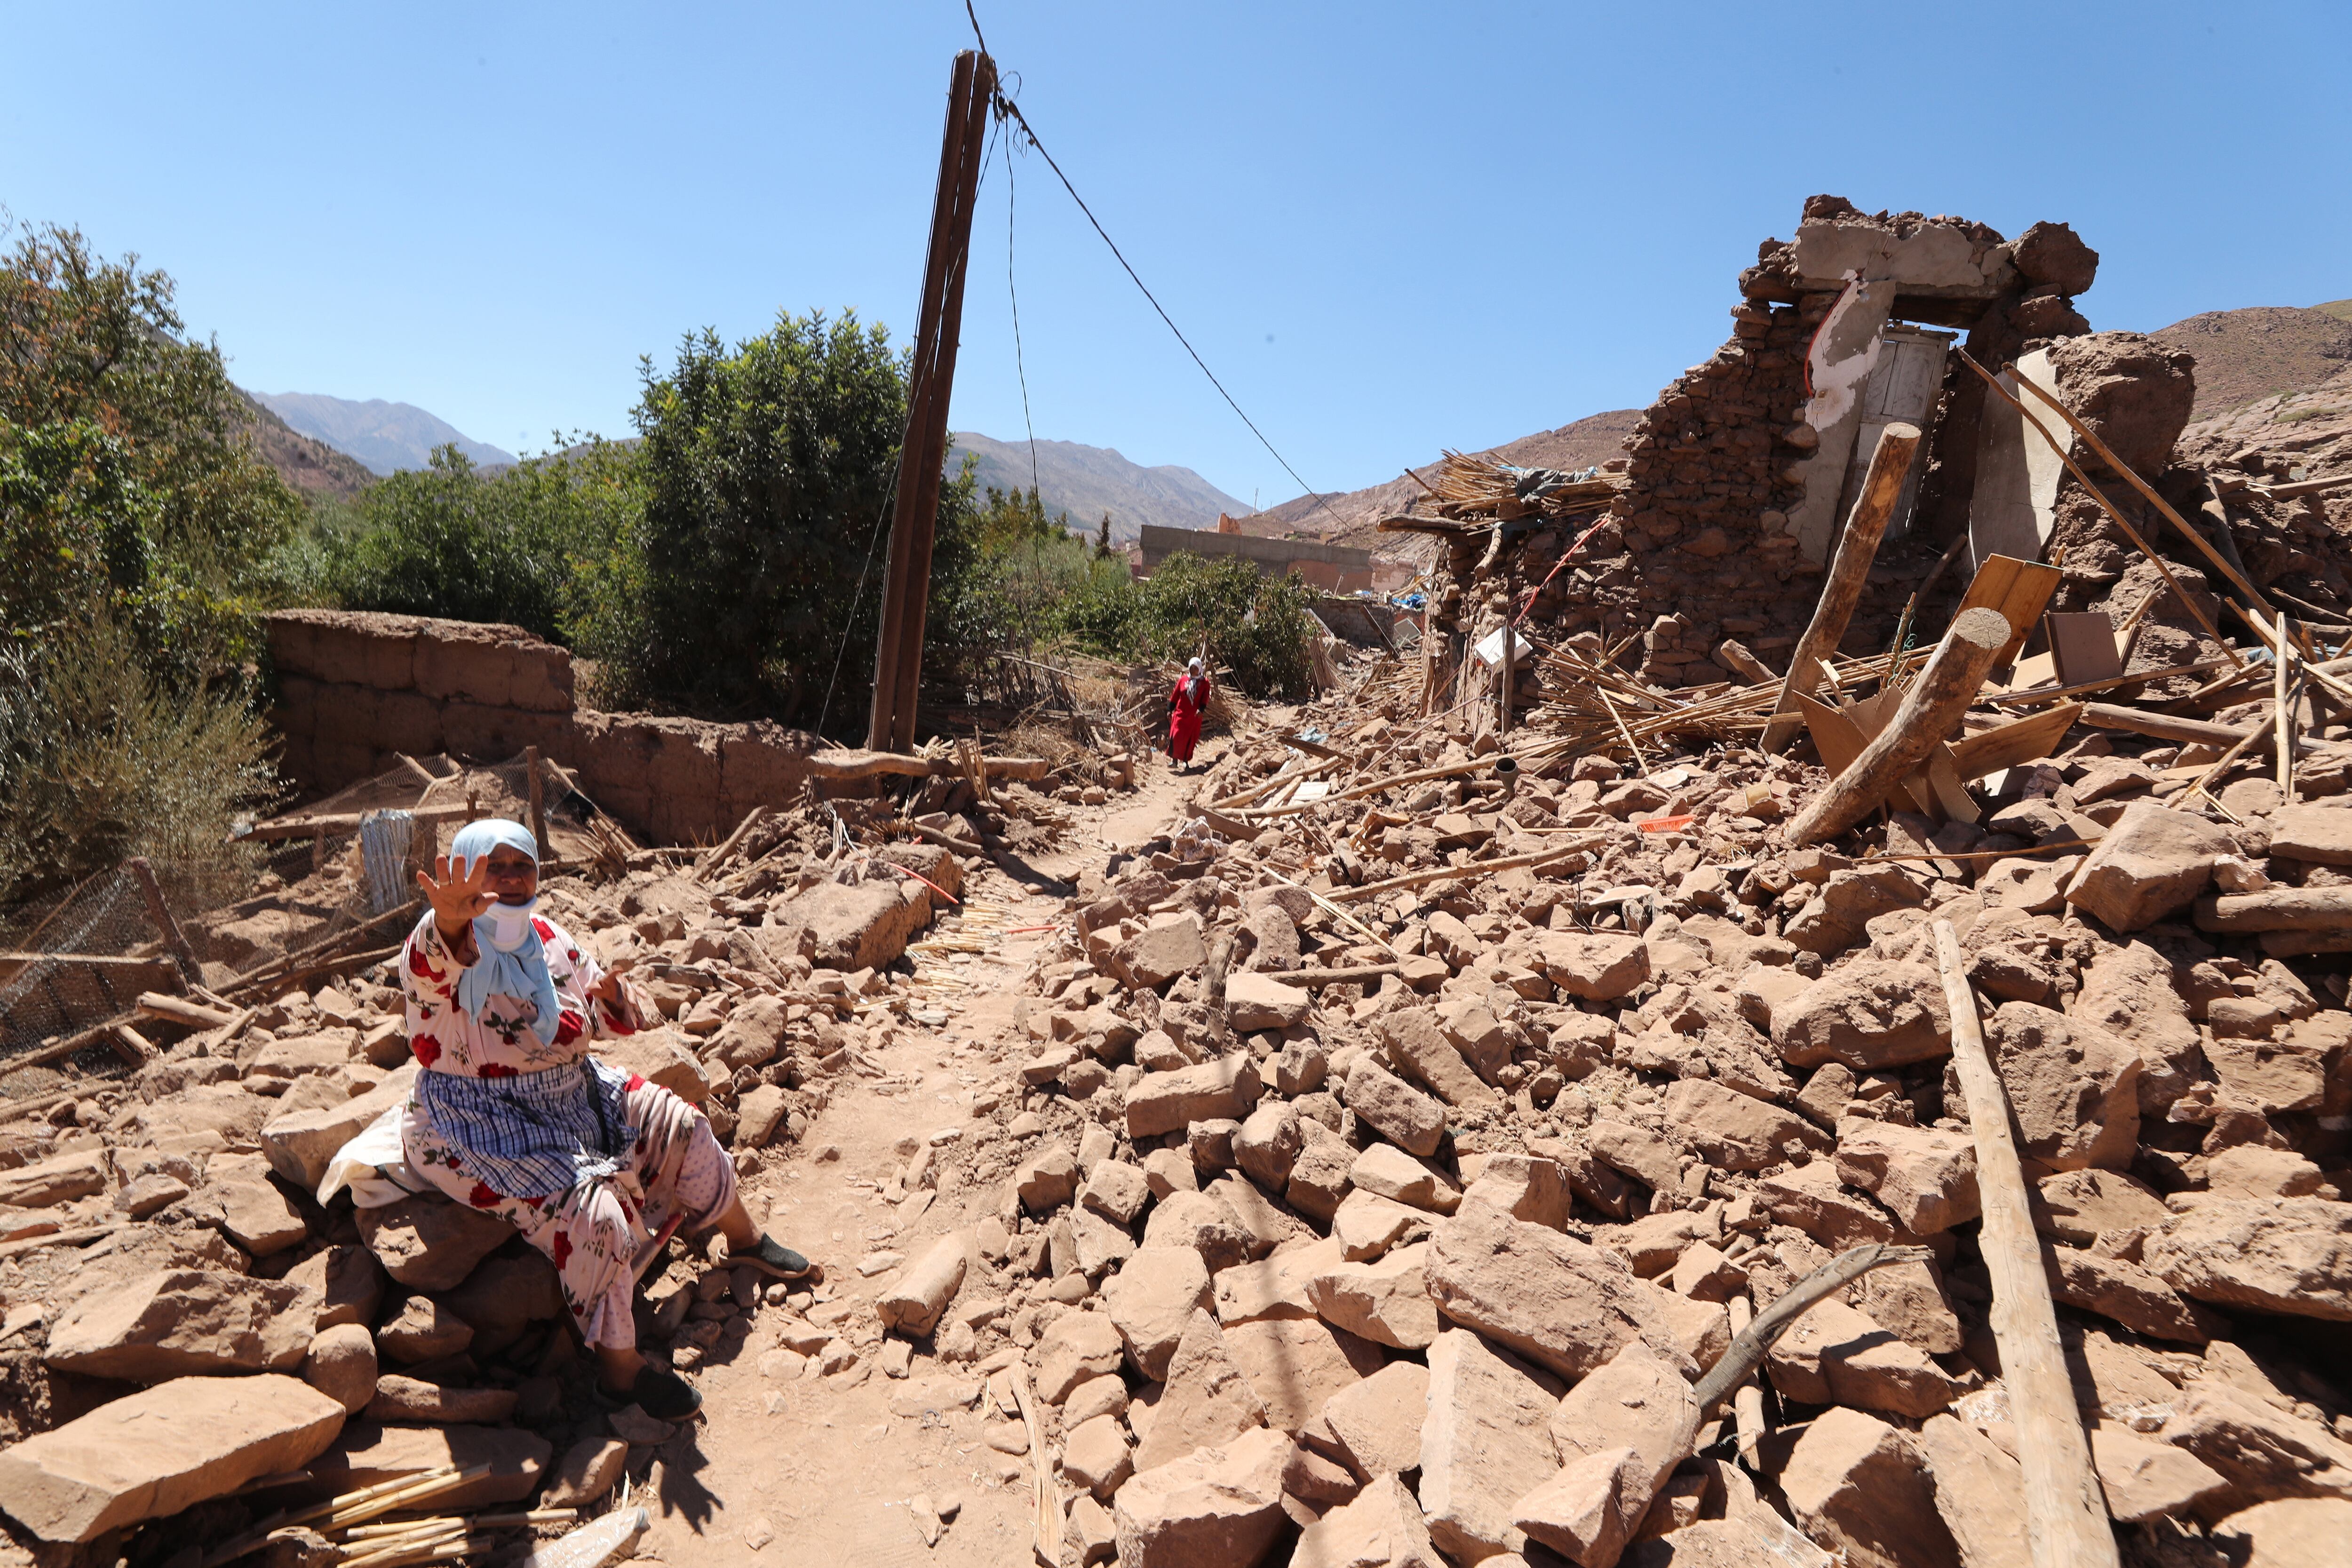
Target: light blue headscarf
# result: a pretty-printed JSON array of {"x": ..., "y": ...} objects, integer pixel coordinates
[{"x": 514, "y": 963}]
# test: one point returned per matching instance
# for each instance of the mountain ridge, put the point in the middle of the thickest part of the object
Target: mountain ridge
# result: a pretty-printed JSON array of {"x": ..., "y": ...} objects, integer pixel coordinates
[
  {"x": 1087, "y": 481},
  {"x": 385, "y": 437}
]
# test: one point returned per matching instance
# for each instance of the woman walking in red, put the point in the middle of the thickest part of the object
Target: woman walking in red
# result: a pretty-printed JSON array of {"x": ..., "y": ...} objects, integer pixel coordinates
[{"x": 1185, "y": 705}]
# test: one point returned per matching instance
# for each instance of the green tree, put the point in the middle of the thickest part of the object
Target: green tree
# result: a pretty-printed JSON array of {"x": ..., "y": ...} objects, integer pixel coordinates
[{"x": 767, "y": 470}]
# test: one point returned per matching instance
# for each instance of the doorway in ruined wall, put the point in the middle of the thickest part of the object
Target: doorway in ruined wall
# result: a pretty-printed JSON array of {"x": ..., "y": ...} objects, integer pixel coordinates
[{"x": 1906, "y": 384}]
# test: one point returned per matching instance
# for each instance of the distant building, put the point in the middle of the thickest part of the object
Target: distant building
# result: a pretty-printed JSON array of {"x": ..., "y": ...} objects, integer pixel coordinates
[{"x": 1227, "y": 523}]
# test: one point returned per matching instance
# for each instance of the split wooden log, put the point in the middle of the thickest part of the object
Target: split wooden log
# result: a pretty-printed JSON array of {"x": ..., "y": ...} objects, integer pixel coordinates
[
  {"x": 335, "y": 823},
  {"x": 1045, "y": 1510},
  {"x": 180, "y": 1011},
  {"x": 2277, "y": 908},
  {"x": 1931, "y": 710},
  {"x": 174, "y": 940},
  {"x": 2066, "y": 1511},
  {"x": 1735, "y": 656},
  {"x": 1849, "y": 573},
  {"x": 2171, "y": 727},
  {"x": 2281, "y": 705}
]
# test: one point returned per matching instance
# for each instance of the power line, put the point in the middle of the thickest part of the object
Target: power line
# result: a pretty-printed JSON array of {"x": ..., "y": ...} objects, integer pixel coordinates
[
  {"x": 1006, "y": 108},
  {"x": 1004, "y": 146}
]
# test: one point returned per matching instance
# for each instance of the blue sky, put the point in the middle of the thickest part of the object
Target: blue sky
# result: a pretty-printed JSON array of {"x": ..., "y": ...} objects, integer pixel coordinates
[{"x": 1388, "y": 227}]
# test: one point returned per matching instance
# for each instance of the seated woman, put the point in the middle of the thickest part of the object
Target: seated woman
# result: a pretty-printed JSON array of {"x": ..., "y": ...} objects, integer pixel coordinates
[{"x": 513, "y": 1116}]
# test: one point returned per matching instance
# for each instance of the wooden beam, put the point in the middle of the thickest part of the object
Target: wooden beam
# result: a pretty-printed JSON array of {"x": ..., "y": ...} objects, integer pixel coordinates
[
  {"x": 2066, "y": 1511},
  {"x": 2019, "y": 740},
  {"x": 174, "y": 940},
  {"x": 2172, "y": 727},
  {"x": 1931, "y": 710},
  {"x": 2277, "y": 908},
  {"x": 1849, "y": 573},
  {"x": 2018, "y": 589}
]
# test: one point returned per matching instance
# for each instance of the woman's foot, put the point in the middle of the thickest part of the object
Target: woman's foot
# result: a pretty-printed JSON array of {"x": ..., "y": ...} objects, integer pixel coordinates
[
  {"x": 772, "y": 1256},
  {"x": 658, "y": 1392}
]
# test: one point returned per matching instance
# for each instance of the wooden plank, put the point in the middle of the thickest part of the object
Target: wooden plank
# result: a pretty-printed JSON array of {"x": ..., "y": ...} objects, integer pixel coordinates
[
  {"x": 2018, "y": 589},
  {"x": 1869, "y": 715},
  {"x": 2083, "y": 647},
  {"x": 1942, "y": 776},
  {"x": 1835, "y": 735},
  {"x": 2019, "y": 740}
]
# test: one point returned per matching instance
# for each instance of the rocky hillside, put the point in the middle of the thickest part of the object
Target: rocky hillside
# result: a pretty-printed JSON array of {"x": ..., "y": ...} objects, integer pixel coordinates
[
  {"x": 2242, "y": 355},
  {"x": 311, "y": 467},
  {"x": 1087, "y": 481},
  {"x": 385, "y": 437}
]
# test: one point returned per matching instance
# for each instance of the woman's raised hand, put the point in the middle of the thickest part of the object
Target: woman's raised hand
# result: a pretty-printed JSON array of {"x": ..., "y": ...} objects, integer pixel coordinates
[{"x": 456, "y": 898}]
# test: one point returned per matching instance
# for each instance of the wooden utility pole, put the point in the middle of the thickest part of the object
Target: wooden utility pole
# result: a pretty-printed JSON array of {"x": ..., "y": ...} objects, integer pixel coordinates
[{"x": 914, "y": 519}]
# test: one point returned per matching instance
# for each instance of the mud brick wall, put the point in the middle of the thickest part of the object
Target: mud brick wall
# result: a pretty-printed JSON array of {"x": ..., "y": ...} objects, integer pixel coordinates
[{"x": 357, "y": 687}]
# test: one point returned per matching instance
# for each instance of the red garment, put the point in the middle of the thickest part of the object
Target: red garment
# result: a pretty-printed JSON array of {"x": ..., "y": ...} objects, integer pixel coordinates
[{"x": 1184, "y": 705}]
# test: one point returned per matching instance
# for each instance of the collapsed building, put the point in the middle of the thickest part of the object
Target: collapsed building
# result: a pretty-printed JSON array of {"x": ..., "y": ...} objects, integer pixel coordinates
[{"x": 1466, "y": 1131}]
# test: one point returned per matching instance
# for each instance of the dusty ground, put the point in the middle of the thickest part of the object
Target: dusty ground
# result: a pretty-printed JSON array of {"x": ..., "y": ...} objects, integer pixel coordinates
[{"x": 822, "y": 1465}]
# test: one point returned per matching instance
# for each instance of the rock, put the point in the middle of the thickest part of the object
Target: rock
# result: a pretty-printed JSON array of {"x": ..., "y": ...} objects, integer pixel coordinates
[
  {"x": 1390, "y": 1172},
  {"x": 347, "y": 1281},
  {"x": 254, "y": 1213},
  {"x": 1268, "y": 1144},
  {"x": 1381, "y": 1528},
  {"x": 1705, "y": 1273},
  {"x": 2276, "y": 1255},
  {"x": 850, "y": 926},
  {"x": 1366, "y": 1226},
  {"x": 1588, "y": 1508},
  {"x": 1402, "y": 1114},
  {"x": 1861, "y": 1487},
  {"x": 1167, "y": 1171},
  {"x": 1318, "y": 1176},
  {"x": 2080, "y": 1207},
  {"x": 1486, "y": 1442},
  {"x": 182, "y": 1323},
  {"x": 1295, "y": 1366},
  {"x": 1811, "y": 1198},
  {"x": 2321, "y": 834},
  {"x": 1737, "y": 1131},
  {"x": 1418, "y": 1044},
  {"x": 1158, "y": 953},
  {"x": 1094, "y": 1456},
  {"x": 1105, "y": 1395},
  {"x": 1204, "y": 1222},
  {"x": 658, "y": 1056},
  {"x": 2261, "y": 1450},
  {"x": 1079, "y": 1345},
  {"x": 142, "y": 1195},
  {"x": 1276, "y": 936},
  {"x": 1640, "y": 1154},
  {"x": 423, "y": 1330},
  {"x": 428, "y": 1243},
  {"x": 2073, "y": 1088},
  {"x": 1206, "y": 1399},
  {"x": 399, "y": 1398},
  {"x": 1169, "y": 1102},
  {"x": 1926, "y": 1178},
  {"x": 758, "y": 1115},
  {"x": 1256, "y": 1001},
  {"x": 1151, "y": 1298},
  {"x": 1377, "y": 1423},
  {"x": 2144, "y": 1479},
  {"x": 367, "y": 1453},
  {"x": 1869, "y": 1014},
  {"x": 913, "y": 1304},
  {"x": 1637, "y": 1402},
  {"x": 2152, "y": 863},
  {"x": 1047, "y": 1179},
  {"x": 1214, "y": 1508},
  {"x": 1836, "y": 1355},
  {"x": 503, "y": 1296},
  {"x": 2127, "y": 1294},
  {"x": 2128, "y": 991},
  {"x": 1838, "y": 916},
  {"x": 589, "y": 1468},
  {"x": 299, "y": 1143},
  {"x": 2291, "y": 1532},
  {"x": 1525, "y": 1186},
  {"x": 57, "y": 1180},
  {"x": 1089, "y": 1533},
  {"x": 152, "y": 1454},
  {"x": 1651, "y": 1243},
  {"x": 341, "y": 1365},
  {"x": 1978, "y": 1485},
  {"x": 1275, "y": 1287},
  {"x": 2053, "y": 256},
  {"x": 752, "y": 1035},
  {"x": 2250, "y": 1170},
  {"x": 1386, "y": 1302},
  {"x": 1597, "y": 967},
  {"x": 1759, "y": 1538},
  {"x": 1555, "y": 1301},
  {"x": 1300, "y": 1068}
]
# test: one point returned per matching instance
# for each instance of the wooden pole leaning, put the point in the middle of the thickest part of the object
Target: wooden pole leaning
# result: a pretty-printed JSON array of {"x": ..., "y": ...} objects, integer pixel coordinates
[
  {"x": 1849, "y": 573},
  {"x": 1930, "y": 710},
  {"x": 2066, "y": 1511}
]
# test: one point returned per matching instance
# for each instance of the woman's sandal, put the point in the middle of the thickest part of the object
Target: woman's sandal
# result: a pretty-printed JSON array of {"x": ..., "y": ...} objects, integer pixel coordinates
[
  {"x": 772, "y": 1256},
  {"x": 658, "y": 1392}
]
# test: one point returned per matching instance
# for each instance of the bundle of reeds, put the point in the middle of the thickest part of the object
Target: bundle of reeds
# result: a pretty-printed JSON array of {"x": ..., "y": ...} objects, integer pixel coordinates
[{"x": 1481, "y": 485}]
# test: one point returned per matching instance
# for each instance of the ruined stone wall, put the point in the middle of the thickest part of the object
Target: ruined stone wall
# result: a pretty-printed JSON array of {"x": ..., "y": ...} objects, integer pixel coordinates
[{"x": 356, "y": 687}]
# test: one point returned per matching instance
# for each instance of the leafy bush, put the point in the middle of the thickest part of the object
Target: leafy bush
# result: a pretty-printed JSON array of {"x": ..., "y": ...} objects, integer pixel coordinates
[
  {"x": 99, "y": 759},
  {"x": 510, "y": 546},
  {"x": 1258, "y": 626}
]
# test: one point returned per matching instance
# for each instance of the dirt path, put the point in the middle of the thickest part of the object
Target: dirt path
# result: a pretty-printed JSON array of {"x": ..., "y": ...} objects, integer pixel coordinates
[{"x": 791, "y": 1465}]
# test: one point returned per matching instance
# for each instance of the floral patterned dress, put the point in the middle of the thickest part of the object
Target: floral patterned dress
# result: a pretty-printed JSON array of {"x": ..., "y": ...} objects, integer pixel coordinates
[{"x": 665, "y": 1162}]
